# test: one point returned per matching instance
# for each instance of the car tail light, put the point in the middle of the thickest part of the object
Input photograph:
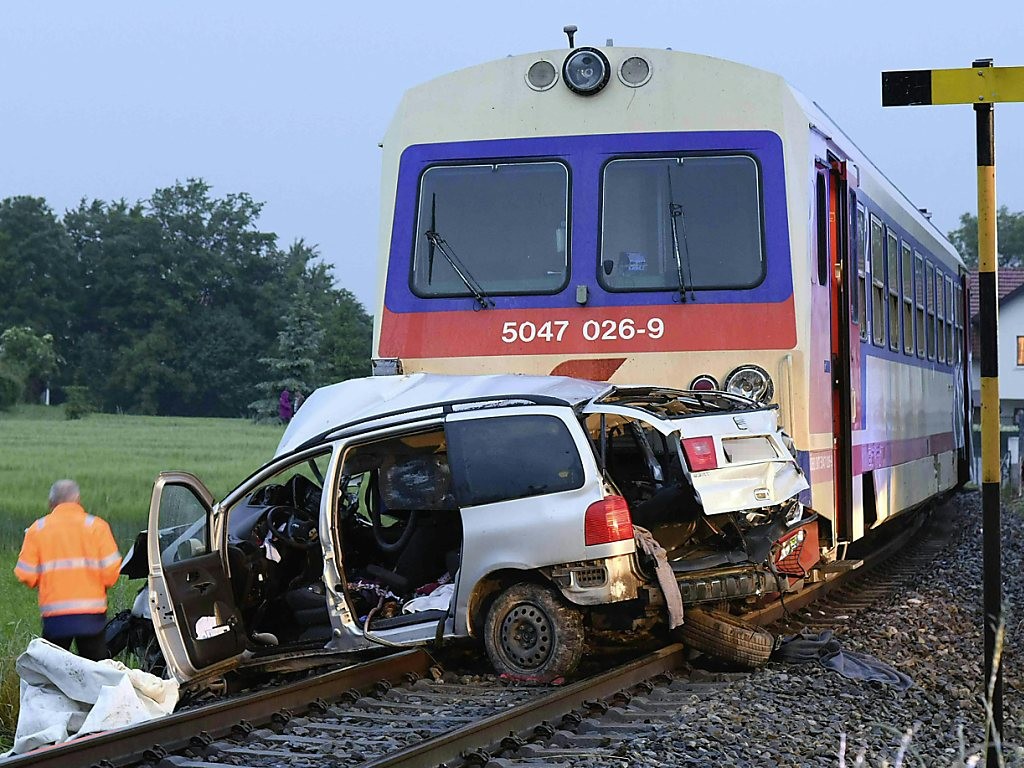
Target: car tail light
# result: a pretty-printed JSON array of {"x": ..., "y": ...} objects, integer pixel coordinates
[
  {"x": 607, "y": 520},
  {"x": 700, "y": 453}
]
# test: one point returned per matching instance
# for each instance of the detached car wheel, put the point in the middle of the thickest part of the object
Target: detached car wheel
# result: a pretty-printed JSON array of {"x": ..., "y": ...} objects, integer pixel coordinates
[
  {"x": 727, "y": 637},
  {"x": 531, "y": 634}
]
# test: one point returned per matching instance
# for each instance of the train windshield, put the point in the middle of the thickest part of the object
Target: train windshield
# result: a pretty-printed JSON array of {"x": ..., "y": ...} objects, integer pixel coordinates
[
  {"x": 681, "y": 223},
  {"x": 504, "y": 225}
]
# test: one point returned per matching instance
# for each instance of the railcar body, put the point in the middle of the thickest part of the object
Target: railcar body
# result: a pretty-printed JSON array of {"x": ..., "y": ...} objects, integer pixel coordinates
[{"x": 685, "y": 218}]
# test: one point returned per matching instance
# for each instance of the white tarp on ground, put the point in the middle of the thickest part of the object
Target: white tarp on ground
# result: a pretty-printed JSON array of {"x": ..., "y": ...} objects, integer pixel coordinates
[{"x": 64, "y": 696}]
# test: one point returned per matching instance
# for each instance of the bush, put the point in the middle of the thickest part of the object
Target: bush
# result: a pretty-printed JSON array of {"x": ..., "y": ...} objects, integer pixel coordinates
[
  {"x": 79, "y": 402},
  {"x": 11, "y": 387}
]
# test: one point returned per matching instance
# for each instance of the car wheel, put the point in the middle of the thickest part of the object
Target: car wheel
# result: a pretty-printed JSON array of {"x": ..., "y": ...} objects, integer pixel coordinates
[
  {"x": 531, "y": 634},
  {"x": 727, "y": 637}
]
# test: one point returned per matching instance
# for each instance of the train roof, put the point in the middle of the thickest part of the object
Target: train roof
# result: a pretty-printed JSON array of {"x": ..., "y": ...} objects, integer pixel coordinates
[
  {"x": 493, "y": 101},
  {"x": 356, "y": 401}
]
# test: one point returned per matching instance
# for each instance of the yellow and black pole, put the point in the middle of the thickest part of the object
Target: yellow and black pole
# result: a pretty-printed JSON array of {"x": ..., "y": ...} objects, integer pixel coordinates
[
  {"x": 988, "y": 278},
  {"x": 982, "y": 85}
]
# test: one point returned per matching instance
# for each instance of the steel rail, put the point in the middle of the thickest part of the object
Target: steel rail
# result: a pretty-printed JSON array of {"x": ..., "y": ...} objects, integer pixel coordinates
[
  {"x": 522, "y": 719},
  {"x": 160, "y": 737}
]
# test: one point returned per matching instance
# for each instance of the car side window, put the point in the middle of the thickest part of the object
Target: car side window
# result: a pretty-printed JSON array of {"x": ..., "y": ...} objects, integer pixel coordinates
[
  {"x": 183, "y": 529},
  {"x": 512, "y": 457}
]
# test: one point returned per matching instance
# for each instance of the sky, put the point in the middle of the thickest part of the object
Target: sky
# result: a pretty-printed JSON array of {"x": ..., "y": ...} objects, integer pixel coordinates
[{"x": 288, "y": 101}]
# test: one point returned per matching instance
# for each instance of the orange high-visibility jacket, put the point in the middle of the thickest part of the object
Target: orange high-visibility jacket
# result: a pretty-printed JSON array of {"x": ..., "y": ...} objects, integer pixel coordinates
[{"x": 72, "y": 557}]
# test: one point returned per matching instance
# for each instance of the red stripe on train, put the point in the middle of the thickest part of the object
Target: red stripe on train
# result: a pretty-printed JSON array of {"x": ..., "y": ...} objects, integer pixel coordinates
[
  {"x": 602, "y": 330},
  {"x": 878, "y": 455},
  {"x": 594, "y": 368}
]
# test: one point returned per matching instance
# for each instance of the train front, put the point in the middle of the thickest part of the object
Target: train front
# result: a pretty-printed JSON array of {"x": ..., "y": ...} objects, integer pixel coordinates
[{"x": 617, "y": 214}]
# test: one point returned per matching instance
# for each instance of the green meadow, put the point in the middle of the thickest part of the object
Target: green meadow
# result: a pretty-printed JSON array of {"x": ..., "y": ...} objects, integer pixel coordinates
[{"x": 115, "y": 460}]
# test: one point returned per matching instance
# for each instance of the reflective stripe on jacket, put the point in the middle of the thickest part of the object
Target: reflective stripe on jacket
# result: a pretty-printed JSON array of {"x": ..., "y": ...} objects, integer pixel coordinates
[{"x": 72, "y": 558}]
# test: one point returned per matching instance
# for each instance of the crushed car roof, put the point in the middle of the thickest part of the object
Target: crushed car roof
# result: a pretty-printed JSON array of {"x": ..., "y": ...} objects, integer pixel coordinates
[{"x": 358, "y": 400}]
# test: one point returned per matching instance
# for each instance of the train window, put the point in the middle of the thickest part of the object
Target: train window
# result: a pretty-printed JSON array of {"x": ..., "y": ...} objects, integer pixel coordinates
[
  {"x": 907, "y": 283},
  {"x": 862, "y": 254},
  {"x": 929, "y": 288},
  {"x": 877, "y": 282},
  {"x": 892, "y": 279},
  {"x": 822, "y": 217},
  {"x": 940, "y": 318},
  {"x": 919, "y": 294},
  {"x": 1020, "y": 350},
  {"x": 949, "y": 320},
  {"x": 958, "y": 322},
  {"x": 681, "y": 222},
  {"x": 503, "y": 227}
]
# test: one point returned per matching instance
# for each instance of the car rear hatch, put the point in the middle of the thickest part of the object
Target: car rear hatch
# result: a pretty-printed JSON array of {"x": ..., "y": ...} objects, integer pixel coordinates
[{"x": 736, "y": 455}]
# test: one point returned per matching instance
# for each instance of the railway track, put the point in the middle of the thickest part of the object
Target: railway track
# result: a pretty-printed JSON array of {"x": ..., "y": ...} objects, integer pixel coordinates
[{"x": 403, "y": 710}]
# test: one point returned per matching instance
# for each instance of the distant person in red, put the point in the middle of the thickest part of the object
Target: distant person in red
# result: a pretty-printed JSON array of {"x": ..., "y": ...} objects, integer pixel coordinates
[
  {"x": 72, "y": 559},
  {"x": 284, "y": 407}
]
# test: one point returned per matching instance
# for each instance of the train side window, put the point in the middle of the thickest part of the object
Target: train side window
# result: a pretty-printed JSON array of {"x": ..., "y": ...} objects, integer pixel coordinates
[
  {"x": 940, "y": 318},
  {"x": 958, "y": 322},
  {"x": 861, "y": 310},
  {"x": 822, "y": 217},
  {"x": 877, "y": 282},
  {"x": 929, "y": 286},
  {"x": 892, "y": 280},
  {"x": 949, "y": 320},
  {"x": 919, "y": 294},
  {"x": 907, "y": 283},
  {"x": 1020, "y": 350}
]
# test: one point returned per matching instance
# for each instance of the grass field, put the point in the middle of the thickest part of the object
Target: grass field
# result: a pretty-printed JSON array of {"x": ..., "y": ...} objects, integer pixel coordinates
[{"x": 115, "y": 460}]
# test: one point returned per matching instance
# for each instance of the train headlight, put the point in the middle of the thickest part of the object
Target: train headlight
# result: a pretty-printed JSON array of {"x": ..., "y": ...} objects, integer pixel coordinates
[
  {"x": 541, "y": 75},
  {"x": 635, "y": 71},
  {"x": 586, "y": 71},
  {"x": 704, "y": 383},
  {"x": 750, "y": 381}
]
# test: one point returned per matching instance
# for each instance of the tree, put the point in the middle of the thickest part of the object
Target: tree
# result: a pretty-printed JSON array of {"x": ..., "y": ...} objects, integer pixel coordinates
[
  {"x": 1009, "y": 238},
  {"x": 297, "y": 365},
  {"x": 29, "y": 356},
  {"x": 179, "y": 304},
  {"x": 38, "y": 268},
  {"x": 349, "y": 343}
]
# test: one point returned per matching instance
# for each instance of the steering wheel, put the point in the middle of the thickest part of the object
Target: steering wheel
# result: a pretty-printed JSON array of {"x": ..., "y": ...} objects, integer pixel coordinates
[
  {"x": 292, "y": 527},
  {"x": 373, "y": 505}
]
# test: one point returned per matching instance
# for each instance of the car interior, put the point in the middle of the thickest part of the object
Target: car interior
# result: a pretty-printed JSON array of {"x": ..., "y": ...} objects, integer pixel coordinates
[
  {"x": 400, "y": 534},
  {"x": 276, "y": 561},
  {"x": 400, "y": 530}
]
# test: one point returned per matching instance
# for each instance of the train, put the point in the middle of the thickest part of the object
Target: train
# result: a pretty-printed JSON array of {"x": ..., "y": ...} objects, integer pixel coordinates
[{"x": 639, "y": 215}]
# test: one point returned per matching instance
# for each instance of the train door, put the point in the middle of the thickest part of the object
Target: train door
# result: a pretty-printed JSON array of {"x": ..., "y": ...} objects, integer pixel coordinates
[
  {"x": 837, "y": 232},
  {"x": 965, "y": 418}
]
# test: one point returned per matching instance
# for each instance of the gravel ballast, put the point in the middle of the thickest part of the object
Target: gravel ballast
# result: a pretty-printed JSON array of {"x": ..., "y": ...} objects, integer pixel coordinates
[{"x": 930, "y": 628}]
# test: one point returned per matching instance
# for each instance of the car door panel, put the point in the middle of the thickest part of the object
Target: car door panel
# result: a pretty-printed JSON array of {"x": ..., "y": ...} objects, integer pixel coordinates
[
  {"x": 204, "y": 609},
  {"x": 195, "y": 617}
]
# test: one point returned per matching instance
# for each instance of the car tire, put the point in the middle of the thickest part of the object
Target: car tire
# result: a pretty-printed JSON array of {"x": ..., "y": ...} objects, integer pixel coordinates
[
  {"x": 727, "y": 637},
  {"x": 532, "y": 635}
]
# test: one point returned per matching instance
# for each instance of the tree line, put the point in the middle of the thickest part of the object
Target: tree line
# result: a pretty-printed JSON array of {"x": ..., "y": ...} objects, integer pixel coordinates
[
  {"x": 174, "y": 305},
  {"x": 1009, "y": 238}
]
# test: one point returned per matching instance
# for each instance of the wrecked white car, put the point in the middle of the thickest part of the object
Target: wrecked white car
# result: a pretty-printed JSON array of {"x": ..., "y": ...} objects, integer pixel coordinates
[{"x": 415, "y": 509}]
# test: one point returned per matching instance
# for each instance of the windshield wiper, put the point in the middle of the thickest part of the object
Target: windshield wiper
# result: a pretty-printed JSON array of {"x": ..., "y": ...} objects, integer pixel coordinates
[
  {"x": 677, "y": 220},
  {"x": 439, "y": 243}
]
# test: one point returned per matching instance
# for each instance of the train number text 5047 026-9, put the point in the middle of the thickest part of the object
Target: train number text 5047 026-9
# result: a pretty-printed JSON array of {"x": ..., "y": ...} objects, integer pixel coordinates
[{"x": 591, "y": 330}]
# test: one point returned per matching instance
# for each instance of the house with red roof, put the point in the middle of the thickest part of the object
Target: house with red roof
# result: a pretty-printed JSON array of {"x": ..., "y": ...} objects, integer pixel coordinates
[{"x": 1010, "y": 291}]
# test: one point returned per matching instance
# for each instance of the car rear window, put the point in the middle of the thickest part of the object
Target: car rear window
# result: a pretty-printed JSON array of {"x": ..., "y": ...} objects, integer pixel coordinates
[{"x": 512, "y": 457}]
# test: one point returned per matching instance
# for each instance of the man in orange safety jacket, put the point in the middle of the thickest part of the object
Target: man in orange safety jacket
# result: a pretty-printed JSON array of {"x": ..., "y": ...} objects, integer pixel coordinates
[{"x": 72, "y": 558}]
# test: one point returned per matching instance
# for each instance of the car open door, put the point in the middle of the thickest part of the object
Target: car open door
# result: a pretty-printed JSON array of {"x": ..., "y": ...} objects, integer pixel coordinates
[{"x": 193, "y": 608}]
